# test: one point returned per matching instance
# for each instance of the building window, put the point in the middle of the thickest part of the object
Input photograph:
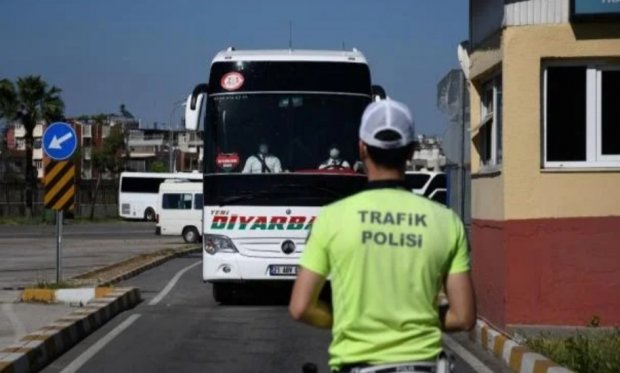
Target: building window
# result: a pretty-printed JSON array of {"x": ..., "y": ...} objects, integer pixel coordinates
[
  {"x": 488, "y": 132},
  {"x": 137, "y": 165},
  {"x": 608, "y": 115},
  {"x": 87, "y": 131},
  {"x": 581, "y": 116},
  {"x": 87, "y": 170}
]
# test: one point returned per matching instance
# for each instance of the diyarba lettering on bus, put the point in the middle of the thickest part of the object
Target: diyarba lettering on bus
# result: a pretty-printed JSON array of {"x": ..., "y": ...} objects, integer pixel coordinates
[
  {"x": 241, "y": 222},
  {"x": 394, "y": 219}
]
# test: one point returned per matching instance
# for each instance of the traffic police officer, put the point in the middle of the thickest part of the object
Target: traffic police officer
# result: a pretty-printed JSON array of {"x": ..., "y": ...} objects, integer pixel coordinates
[{"x": 388, "y": 252}]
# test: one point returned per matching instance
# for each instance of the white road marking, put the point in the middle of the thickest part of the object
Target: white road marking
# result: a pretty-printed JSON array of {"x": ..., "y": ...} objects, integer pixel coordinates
[
  {"x": 19, "y": 329},
  {"x": 99, "y": 345},
  {"x": 467, "y": 356},
  {"x": 171, "y": 284}
]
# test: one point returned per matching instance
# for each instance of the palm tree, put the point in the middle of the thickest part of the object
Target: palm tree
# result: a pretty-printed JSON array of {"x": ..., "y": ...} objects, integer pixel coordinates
[{"x": 28, "y": 101}]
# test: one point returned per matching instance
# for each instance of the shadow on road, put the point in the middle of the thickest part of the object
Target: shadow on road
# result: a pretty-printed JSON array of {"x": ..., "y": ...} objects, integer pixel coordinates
[{"x": 267, "y": 295}]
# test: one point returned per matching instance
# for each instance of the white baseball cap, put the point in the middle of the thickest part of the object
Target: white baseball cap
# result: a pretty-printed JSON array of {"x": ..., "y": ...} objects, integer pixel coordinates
[{"x": 387, "y": 115}]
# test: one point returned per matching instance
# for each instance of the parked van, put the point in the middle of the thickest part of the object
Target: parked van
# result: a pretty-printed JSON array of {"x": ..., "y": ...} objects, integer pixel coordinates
[{"x": 180, "y": 207}]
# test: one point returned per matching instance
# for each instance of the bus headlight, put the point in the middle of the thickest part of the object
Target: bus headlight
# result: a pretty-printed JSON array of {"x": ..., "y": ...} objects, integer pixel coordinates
[{"x": 214, "y": 243}]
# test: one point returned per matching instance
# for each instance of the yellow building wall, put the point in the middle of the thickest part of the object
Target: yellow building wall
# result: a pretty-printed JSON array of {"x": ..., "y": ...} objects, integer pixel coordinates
[
  {"x": 530, "y": 191},
  {"x": 524, "y": 190},
  {"x": 487, "y": 199}
]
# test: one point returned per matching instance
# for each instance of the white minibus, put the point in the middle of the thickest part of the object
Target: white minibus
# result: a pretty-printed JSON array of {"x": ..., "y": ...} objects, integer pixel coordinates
[{"x": 180, "y": 207}]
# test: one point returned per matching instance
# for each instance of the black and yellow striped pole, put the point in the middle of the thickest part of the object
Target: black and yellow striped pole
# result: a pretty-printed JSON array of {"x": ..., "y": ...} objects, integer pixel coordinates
[
  {"x": 59, "y": 143},
  {"x": 59, "y": 180},
  {"x": 59, "y": 185}
]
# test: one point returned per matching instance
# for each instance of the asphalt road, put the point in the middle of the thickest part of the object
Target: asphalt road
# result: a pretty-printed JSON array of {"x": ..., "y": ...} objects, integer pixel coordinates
[
  {"x": 121, "y": 229},
  {"x": 28, "y": 252},
  {"x": 186, "y": 331}
]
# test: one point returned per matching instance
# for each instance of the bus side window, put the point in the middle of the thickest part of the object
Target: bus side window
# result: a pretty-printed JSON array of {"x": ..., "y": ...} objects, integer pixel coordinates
[
  {"x": 186, "y": 202},
  {"x": 177, "y": 201},
  {"x": 198, "y": 201},
  {"x": 140, "y": 184},
  {"x": 171, "y": 200}
]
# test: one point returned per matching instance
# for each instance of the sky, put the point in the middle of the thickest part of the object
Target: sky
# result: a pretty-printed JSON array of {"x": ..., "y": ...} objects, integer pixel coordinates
[{"x": 149, "y": 54}]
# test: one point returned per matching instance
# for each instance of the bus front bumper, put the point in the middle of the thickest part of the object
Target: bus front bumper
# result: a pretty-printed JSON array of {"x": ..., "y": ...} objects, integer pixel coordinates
[{"x": 225, "y": 267}]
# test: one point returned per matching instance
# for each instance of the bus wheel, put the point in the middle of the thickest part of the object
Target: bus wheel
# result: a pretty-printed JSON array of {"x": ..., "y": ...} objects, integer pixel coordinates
[
  {"x": 149, "y": 214},
  {"x": 223, "y": 293},
  {"x": 190, "y": 235}
]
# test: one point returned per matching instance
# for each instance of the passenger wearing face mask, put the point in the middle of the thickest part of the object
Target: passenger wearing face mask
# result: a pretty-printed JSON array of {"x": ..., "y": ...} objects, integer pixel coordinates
[
  {"x": 263, "y": 162},
  {"x": 334, "y": 161}
]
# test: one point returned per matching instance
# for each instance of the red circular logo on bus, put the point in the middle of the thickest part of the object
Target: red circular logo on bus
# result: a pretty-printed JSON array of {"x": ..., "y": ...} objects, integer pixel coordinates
[
  {"x": 227, "y": 162},
  {"x": 232, "y": 81}
]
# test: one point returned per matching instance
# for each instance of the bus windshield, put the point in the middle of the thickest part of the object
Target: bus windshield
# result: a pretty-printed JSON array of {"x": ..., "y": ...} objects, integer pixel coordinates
[{"x": 298, "y": 129}]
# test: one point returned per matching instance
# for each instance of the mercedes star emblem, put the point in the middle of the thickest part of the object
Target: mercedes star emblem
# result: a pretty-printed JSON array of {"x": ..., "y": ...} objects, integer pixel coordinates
[{"x": 288, "y": 247}]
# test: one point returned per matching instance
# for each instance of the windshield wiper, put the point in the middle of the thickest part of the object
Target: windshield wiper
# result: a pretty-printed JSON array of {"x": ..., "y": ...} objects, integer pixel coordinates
[
  {"x": 278, "y": 190},
  {"x": 246, "y": 197},
  {"x": 329, "y": 191}
]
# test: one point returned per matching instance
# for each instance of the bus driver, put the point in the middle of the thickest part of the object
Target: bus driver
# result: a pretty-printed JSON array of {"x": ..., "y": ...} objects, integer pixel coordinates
[
  {"x": 334, "y": 161},
  {"x": 263, "y": 162}
]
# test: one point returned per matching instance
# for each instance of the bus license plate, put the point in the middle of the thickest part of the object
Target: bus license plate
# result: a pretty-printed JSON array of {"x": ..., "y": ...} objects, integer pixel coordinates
[{"x": 283, "y": 270}]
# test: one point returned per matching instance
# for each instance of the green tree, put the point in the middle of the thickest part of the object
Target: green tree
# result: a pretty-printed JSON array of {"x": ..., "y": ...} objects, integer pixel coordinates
[
  {"x": 109, "y": 157},
  {"x": 29, "y": 101},
  {"x": 158, "y": 166}
]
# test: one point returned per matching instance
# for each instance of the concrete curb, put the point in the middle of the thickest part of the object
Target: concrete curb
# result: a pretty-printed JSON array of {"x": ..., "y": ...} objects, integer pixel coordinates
[
  {"x": 518, "y": 357},
  {"x": 144, "y": 267},
  {"x": 79, "y": 296},
  {"x": 37, "y": 349}
]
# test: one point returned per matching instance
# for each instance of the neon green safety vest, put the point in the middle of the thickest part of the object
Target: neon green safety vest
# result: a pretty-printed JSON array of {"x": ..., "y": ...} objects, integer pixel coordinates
[{"x": 386, "y": 251}]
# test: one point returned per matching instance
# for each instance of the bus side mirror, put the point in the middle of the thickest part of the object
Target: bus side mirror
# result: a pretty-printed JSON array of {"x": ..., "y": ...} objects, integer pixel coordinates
[
  {"x": 378, "y": 93},
  {"x": 193, "y": 107}
]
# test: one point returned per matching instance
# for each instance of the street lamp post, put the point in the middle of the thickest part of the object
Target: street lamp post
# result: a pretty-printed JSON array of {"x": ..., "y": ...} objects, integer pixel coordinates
[{"x": 175, "y": 106}]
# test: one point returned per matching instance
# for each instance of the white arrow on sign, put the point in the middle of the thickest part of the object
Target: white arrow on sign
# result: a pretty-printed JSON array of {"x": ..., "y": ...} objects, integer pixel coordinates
[{"x": 57, "y": 142}]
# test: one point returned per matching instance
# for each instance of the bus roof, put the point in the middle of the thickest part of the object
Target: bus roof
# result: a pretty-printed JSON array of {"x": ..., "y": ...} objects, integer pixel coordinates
[{"x": 231, "y": 54}]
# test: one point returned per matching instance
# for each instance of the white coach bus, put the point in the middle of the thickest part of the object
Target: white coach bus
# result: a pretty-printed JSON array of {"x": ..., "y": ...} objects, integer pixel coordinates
[
  {"x": 137, "y": 192},
  {"x": 271, "y": 119}
]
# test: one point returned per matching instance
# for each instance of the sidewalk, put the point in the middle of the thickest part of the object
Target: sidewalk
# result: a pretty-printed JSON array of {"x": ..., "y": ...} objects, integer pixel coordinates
[{"x": 19, "y": 319}]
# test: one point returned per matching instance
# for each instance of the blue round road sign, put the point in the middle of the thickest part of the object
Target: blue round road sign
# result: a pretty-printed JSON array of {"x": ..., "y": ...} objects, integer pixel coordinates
[{"x": 59, "y": 141}]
